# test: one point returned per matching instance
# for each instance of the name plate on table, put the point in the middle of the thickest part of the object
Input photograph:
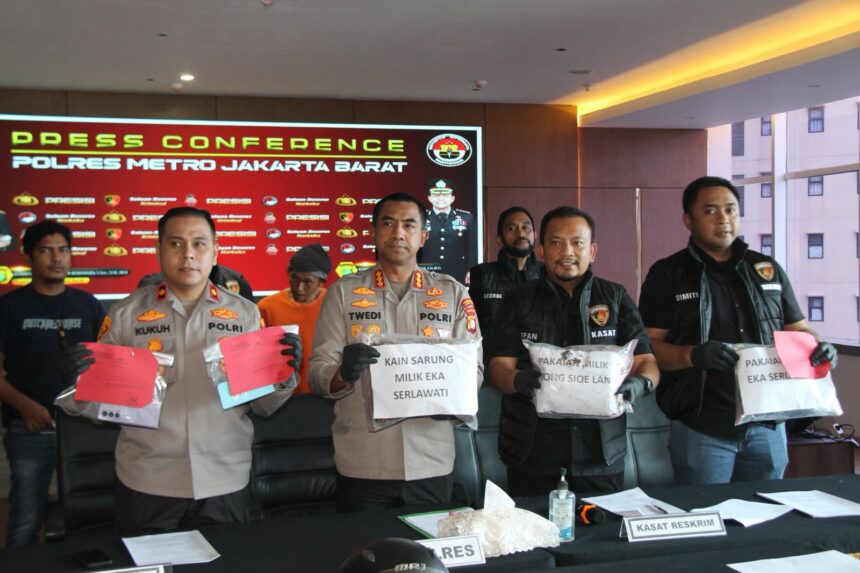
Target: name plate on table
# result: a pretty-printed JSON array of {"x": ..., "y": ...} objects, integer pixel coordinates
[
  {"x": 411, "y": 380},
  {"x": 457, "y": 551},
  {"x": 673, "y": 526}
]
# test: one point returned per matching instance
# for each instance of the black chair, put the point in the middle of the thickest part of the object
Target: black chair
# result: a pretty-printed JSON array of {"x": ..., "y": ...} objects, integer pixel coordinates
[
  {"x": 86, "y": 475},
  {"x": 478, "y": 450},
  {"x": 647, "y": 462},
  {"x": 293, "y": 469}
]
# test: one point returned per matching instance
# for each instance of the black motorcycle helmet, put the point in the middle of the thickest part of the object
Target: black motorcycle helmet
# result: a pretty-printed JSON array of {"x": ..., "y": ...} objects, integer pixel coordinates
[{"x": 392, "y": 554}]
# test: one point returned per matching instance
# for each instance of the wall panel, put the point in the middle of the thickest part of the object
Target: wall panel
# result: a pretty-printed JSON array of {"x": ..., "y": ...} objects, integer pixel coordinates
[
  {"x": 147, "y": 106},
  {"x": 281, "y": 109},
  {"x": 530, "y": 146}
]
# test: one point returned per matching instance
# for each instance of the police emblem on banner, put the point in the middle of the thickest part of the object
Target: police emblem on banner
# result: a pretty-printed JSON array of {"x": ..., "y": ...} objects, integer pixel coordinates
[
  {"x": 599, "y": 314},
  {"x": 449, "y": 150},
  {"x": 764, "y": 270}
]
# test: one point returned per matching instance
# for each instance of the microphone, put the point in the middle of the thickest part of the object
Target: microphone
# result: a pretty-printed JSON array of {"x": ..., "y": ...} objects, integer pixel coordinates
[{"x": 588, "y": 514}]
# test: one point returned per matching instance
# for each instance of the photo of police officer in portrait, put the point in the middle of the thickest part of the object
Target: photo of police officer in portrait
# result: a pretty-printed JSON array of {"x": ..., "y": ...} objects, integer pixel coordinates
[{"x": 452, "y": 244}]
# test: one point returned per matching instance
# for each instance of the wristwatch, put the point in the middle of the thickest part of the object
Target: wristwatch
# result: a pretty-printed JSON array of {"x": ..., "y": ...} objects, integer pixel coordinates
[{"x": 649, "y": 384}]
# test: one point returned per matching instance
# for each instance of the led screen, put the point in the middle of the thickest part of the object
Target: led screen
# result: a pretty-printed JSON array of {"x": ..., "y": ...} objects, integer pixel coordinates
[{"x": 271, "y": 188}]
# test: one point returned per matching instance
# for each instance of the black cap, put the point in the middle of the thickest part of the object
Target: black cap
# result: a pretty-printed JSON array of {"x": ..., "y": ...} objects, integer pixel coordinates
[{"x": 311, "y": 259}]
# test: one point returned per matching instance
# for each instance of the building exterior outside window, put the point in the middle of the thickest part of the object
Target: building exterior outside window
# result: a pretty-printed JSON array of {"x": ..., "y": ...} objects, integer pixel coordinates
[
  {"x": 767, "y": 245},
  {"x": 815, "y": 186},
  {"x": 816, "y": 119},
  {"x": 815, "y": 242},
  {"x": 816, "y": 309}
]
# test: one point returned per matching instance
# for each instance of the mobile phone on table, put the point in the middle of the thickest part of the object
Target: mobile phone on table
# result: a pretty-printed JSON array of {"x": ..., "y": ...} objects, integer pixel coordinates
[{"x": 92, "y": 558}]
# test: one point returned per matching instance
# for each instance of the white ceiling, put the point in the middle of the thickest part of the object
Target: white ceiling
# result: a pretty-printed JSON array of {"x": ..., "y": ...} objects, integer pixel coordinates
[{"x": 428, "y": 50}]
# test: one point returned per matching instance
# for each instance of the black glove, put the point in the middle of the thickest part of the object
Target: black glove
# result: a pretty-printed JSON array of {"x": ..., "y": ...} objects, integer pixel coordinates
[
  {"x": 294, "y": 341},
  {"x": 527, "y": 381},
  {"x": 824, "y": 352},
  {"x": 633, "y": 388},
  {"x": 714, "y": 355},
  {"x": 74, "y": 361},
  {"x": 356, "y": 357}
]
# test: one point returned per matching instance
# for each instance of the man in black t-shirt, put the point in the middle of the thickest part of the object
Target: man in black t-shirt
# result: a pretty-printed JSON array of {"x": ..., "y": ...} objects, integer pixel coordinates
[
  {"x": 568, "y": 306},
  {"x": 714, "y": 292},
  {"x": 36, "y": 322}
]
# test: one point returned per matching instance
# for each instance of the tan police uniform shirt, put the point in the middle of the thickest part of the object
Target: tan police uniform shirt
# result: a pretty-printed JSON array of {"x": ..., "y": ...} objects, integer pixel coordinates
[
  {"x": 434, "y": 305},
  {"x": 199, "y": 450}
]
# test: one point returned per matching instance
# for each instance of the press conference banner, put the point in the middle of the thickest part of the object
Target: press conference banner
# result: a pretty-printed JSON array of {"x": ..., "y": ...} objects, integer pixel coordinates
[{"x": 271, "y": 188}]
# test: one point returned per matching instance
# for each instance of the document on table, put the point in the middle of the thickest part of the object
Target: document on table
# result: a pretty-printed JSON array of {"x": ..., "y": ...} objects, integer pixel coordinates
[
  {"x": 427, "y": 523},
  {"x": 815, "y": 503},
  {"x": 747, "y": 513},
  {"x": 179, "y": 548},
  {"x": 633, "y": 503},
  {"x": 824, "y": 561}
]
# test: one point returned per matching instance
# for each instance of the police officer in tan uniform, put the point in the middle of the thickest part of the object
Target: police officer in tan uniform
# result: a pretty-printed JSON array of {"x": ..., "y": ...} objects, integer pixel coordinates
[
  {"x": 410, "y": 462},
  {"x": 195, "y": 468}
]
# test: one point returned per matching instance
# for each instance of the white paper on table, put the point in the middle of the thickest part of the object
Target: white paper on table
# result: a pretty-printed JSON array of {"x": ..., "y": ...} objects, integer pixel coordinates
[
  {"x": 815, "y": 503},
  {"x": 824, "y": 561},
  {"x": 747, "y": 513},
  {"x": 179, "y": 548},
  {"x": 633, "y": 503},
  {"x": 427, "y": 523}
]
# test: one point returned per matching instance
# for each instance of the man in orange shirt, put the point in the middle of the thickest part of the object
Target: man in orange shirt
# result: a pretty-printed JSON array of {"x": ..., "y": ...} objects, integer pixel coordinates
[{"x": 300, "y": 304}]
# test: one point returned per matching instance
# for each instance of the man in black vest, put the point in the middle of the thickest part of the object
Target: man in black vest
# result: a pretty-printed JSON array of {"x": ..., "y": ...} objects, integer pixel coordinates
[
  {"x": 568, "y": 306},
  {"x": 713, "y": 292},
  {"x": 515, "y": 264}
]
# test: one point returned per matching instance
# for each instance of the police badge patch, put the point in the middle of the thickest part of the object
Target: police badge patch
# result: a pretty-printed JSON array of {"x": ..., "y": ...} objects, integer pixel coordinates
[
  {"x": 764, "y": 270},
  {"x": 599, "y": 314}
]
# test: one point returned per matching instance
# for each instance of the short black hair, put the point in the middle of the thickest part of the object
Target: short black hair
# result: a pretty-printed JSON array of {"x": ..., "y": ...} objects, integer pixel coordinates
[
  {"x": 565, "y": 212},
  {"x": 184, "y": 212},
  {"x": 691, "y": 193},
  {"x": 42, "y": 229},
  {"x": 399, "y": 198},
  {"x": 510, "y": 211}
]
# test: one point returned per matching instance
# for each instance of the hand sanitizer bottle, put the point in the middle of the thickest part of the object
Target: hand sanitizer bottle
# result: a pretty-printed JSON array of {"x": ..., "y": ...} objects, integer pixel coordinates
[{"x": 561, "y": 504}]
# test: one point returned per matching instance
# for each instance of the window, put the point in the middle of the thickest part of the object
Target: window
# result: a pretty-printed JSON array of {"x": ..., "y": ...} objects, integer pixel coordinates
[
  {"x": 766, "y": 186},
  {"x": 767, "y": 245},
  {"x": 738, "y": 139},
  {"x": 816, "y": 121},
  {"x": 816, "y": 309},
  {"x": 815, "y": 246},
  {"x": 765, "y": 126},
  {"x": 815, "y": 186},
  {"x": 740, "y": 189}
]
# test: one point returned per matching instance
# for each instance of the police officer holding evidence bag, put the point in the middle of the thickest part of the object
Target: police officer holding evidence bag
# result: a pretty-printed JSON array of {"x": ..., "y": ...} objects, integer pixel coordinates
[
  {"x": 452, "y": 239},
  {"x": 569, "y": 306},
  {"x": 195, "y": 467},
  {"x": 694, "y": 303},
  {"x": 410, "y": 462}
]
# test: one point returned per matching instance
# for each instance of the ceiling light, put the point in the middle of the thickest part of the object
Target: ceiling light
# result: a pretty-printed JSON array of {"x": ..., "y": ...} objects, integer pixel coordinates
[
  {"x": 187, "y": 77},
  {"x": 561, "y": 49}
]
